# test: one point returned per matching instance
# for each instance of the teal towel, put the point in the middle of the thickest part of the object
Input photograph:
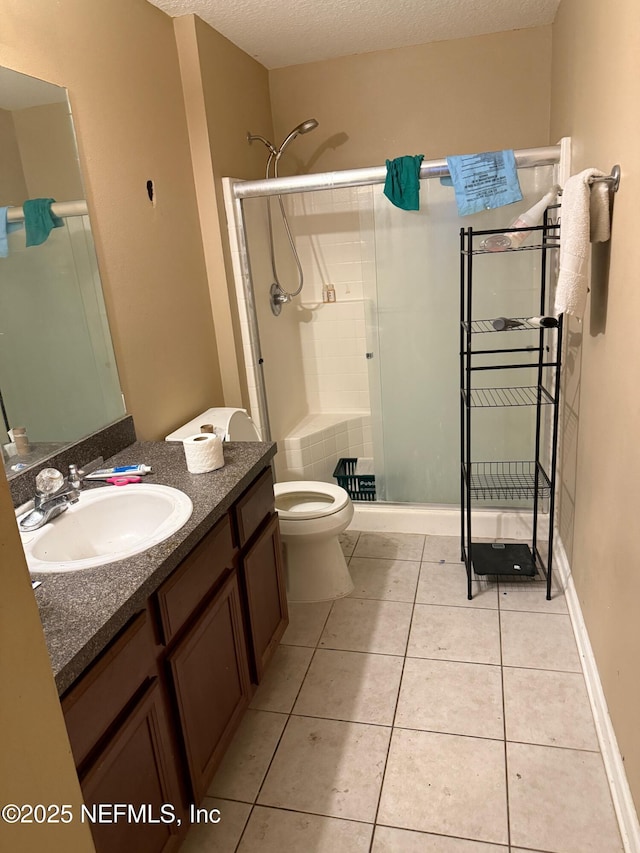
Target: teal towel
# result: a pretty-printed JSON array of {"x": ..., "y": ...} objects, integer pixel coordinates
[
  {"x": 402, "y": 185},
  {"x": 484, "y": 181},
  {"x": 6, "y": 228},
  {"x": 38, "y": 220}
]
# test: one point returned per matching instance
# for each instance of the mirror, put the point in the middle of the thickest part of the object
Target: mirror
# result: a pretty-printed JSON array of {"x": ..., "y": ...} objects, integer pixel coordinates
[{"x": 58, "y": 376}]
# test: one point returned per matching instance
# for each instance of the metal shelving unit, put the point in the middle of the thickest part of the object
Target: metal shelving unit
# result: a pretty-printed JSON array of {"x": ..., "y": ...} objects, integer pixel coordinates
[{"x": 531, "y": 480}]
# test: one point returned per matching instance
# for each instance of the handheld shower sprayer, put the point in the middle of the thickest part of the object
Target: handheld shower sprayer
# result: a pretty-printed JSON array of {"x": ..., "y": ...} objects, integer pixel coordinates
[{"x": 278, "y": 295}]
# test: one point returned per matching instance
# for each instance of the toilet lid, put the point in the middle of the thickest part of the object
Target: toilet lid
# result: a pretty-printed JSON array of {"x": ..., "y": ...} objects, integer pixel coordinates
[
  {"x": 308, "y": 499},
  {"x": 236, "y": 423}
]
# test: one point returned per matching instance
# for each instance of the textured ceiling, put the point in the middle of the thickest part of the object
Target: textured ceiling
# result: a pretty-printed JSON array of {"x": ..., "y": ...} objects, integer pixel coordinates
[{"x": 279, "y": 33}]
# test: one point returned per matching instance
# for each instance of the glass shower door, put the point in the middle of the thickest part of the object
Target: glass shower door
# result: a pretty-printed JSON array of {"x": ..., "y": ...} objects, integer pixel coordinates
[{"x": 413, "y": 338}]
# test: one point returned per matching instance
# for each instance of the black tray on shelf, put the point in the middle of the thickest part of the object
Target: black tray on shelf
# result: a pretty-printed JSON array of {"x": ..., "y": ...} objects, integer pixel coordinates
[{"x": 498, "y": 558}]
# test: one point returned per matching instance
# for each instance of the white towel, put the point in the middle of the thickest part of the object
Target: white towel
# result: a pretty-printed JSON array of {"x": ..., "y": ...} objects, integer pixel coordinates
[{"x": 585, "y": 218}]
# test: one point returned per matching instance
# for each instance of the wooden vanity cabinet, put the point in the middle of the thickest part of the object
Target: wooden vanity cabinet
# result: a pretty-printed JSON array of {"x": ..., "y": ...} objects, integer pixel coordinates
[
  {"x": 123, "y": 744},
  {"x": 150, "y": 720}
]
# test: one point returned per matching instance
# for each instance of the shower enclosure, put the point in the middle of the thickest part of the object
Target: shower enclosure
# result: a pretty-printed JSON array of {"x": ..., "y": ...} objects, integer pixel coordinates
[{"x": 384, "y": 356}]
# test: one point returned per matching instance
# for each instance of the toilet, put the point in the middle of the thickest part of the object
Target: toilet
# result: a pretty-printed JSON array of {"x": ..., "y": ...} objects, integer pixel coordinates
[{"x": 311, "y": 517}]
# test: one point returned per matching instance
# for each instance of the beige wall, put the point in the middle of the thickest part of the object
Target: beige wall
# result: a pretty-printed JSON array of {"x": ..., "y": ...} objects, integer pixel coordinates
[
  {"x": 119, "y": 61},
  {"x": 47, "y": 150},
  {"x": 451, "y": 97},
  {"x": 596, "y": 72},
  {"x": 36, "y": 765},
  {"x": 226, "y": 93}
]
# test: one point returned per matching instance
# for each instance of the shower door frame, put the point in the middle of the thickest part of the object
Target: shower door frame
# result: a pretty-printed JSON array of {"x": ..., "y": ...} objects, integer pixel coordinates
[{"x": 525, "y": 158}]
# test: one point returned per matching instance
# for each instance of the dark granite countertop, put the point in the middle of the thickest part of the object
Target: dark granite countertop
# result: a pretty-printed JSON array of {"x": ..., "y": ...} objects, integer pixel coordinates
[{"x": 82, "y": 611}]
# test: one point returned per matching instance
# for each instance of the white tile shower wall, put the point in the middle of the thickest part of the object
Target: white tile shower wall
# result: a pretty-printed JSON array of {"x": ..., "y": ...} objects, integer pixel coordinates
[
  {"x": 334, "y": 347},
  {"x": 334, "y": 234},
  {"x": 312, "y": 450},
  {"x": 330, "y": 241}
]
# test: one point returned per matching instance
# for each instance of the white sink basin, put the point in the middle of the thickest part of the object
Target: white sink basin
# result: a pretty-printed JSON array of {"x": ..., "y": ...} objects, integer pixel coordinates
[{"x": 107, "y": 524}]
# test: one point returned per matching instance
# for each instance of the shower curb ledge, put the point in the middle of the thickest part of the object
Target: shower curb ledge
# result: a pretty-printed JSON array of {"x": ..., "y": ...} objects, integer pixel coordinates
[
  {"x": 444, "y": 521},
  {"x": 613, "y": 764}
]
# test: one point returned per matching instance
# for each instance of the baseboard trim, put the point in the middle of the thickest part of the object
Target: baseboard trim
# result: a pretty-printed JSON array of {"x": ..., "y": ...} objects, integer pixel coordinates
[{"x": 614, "y": 766}]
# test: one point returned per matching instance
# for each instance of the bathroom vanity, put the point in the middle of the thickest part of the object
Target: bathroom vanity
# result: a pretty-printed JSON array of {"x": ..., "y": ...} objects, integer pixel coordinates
[{"x": 157, "y": 657}]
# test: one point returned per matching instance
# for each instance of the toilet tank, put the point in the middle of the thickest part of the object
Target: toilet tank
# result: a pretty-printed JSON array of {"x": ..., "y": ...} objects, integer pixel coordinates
[{"x": 236, "y": 423}]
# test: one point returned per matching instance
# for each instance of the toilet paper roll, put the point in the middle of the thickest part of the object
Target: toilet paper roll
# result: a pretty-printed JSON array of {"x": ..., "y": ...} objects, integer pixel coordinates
[{"x": 203, "y": 453}]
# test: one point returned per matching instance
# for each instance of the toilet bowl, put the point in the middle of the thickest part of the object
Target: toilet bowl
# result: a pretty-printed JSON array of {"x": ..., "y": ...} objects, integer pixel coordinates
[{"x": 311, "y": 516}]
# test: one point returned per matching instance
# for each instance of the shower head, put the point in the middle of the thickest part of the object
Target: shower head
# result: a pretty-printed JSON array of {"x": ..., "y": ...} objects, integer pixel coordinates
[{"x": 306, "y": 126}]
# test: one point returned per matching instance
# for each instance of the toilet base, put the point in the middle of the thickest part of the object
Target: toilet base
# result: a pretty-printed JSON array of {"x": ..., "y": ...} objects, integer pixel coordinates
[{"x": 315, "y": 571}]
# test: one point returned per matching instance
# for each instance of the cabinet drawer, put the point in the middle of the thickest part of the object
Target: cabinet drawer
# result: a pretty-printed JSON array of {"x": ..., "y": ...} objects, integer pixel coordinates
[
  {"x": 93, "y": 703},
  {"x": 181, "y": 594},
  {"x": 256, "y": 504}
]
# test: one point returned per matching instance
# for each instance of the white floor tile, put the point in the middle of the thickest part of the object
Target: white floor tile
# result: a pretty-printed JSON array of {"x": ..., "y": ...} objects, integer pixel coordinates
[
  {"x": 354, "y": 686},
  {"x": 455, "y": 633},
  {"x": 282, "y": 680},
  {"x": 452, "y": 697},
  {"x": 559, "y": 801},
  {"x": 246, "y": 761},
  {"x": 445, "y": 583},
  {"x": 328, "y": 767},
  {"x": 548, "y": 708},
  {"x": 442, "y": 549},
  {"x": 365, "y": 625},
  {"x": 392, "y": 580},
  {"x": 445, "y": 784},
  {"x": 532, "y": 597},
  {"x": 389, "y": 840},
  {"x": 390, "y": 546},
  {"x": 306, "y": 623},
  {"x": 275, "y": 831},
  {"x": 538, "y": 640}
]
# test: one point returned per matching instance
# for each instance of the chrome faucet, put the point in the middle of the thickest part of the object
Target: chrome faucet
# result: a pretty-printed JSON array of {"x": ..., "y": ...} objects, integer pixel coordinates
[{"x": 54, "y": 494}]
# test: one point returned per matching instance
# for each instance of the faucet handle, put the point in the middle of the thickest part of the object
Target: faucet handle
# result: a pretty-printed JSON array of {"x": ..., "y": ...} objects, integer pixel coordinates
[
  {"x": 75, "y": 476},
  {"x": 48, "y": 481}
]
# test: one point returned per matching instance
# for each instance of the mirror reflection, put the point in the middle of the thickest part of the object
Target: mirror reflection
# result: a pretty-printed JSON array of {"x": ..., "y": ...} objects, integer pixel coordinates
[{"x": 58, "y": 377}]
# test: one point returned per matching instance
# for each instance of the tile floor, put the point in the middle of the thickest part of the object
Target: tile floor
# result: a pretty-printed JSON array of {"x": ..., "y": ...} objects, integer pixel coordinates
[{"x": 407, "y": 719}]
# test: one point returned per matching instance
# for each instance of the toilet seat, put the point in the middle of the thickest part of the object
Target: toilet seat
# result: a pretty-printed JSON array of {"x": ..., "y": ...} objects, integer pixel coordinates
[{"x": 305, "y": 499}]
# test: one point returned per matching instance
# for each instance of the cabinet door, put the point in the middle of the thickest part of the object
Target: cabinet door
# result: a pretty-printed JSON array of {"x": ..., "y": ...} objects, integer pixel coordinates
[
  {"x": 266, "y": 595},
  {"x": 136, "y": 769},
  {"x": 211, "y": 681}
]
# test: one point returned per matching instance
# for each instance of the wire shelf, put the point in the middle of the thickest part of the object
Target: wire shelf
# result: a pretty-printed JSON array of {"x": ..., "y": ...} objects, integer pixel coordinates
[
  {"x": 501, "y": 397},
  {"x": 481, "y": 326},
  {"x": 506, "y": 480},
  {"x": 551, "y": 242}
]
